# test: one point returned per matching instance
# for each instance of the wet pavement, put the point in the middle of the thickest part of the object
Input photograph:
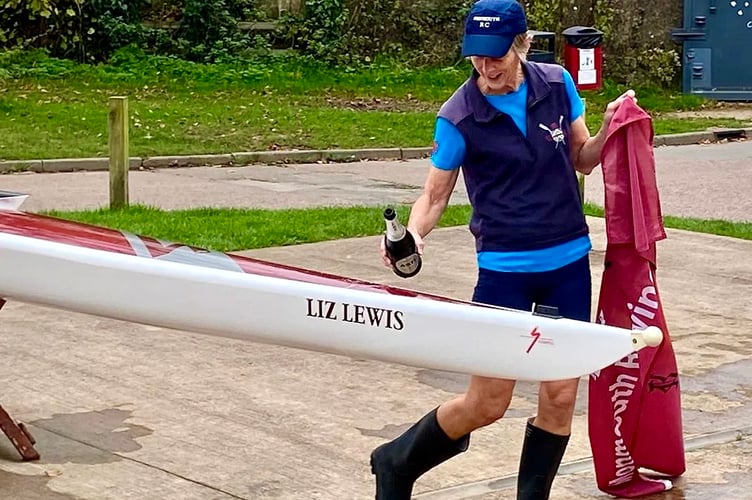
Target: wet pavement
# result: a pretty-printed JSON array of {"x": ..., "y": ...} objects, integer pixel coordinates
[{"x": 123, "y": 411}]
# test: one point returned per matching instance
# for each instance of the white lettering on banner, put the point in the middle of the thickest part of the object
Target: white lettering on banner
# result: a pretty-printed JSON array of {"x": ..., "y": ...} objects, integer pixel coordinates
[
  {"x": 621, "y": 450},
  {"x": 630, "y": 362},
  {"x": 643, "y": 314},
  {"x": 621, "y": 392},
  {"x": 749, "y": 24},
  {"x": 642, "y": 317}
]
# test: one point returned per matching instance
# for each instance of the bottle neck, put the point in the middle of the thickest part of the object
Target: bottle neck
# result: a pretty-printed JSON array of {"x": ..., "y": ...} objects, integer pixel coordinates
[{"x": 394, "y": 230}]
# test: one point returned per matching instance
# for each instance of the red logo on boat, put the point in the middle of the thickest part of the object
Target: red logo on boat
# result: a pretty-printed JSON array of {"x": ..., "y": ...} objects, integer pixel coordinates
[{"x": 537, "y": 338}]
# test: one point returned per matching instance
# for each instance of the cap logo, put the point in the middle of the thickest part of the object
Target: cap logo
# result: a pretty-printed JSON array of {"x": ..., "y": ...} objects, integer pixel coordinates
[{"x": 485, "y": 21}]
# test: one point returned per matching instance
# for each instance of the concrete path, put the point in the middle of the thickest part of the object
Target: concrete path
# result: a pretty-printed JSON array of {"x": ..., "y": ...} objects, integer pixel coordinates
[{"x": 126, "y": 411}]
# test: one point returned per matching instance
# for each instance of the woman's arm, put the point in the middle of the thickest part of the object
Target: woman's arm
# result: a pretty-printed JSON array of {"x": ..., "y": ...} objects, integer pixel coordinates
[
  {"x": 586, "y": 150},
  {"x": 427, "y": 209}
]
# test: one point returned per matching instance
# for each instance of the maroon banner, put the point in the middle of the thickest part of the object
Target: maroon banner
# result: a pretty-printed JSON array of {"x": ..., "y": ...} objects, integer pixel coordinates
[{"x": 634, "y": 405}]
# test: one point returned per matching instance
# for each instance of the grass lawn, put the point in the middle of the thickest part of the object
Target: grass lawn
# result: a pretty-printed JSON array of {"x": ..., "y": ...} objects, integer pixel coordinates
[
  {"x": 54, "y": 109},
  {"x": 241, "y": 229}
]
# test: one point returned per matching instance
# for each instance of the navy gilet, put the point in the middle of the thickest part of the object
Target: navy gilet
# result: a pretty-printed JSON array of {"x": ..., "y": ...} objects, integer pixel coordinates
[{"x": 523, "y": 190}]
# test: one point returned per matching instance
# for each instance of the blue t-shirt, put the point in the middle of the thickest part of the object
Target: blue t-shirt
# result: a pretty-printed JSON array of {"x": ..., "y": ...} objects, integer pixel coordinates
[{"x": 449, "y": 154}]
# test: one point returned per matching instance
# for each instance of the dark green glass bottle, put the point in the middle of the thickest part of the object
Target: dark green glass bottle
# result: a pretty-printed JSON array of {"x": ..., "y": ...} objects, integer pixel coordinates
[{"x": 400, "y": 246}]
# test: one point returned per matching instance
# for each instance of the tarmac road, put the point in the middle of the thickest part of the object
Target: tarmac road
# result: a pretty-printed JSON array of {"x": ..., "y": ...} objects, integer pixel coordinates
[
  {"x": 704, "y": 181},
  {"x": 125, "y": 411}
]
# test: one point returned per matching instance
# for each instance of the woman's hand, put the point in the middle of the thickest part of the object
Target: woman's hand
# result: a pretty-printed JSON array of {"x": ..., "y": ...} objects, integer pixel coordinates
[
  {"x": 419, "y": 244},
  {"x": 611, "y": 108},
  {"x": 586, "y": 150}
]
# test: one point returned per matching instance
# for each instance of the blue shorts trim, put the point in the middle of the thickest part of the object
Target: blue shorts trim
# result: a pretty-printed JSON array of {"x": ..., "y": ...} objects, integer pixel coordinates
[{"x": 534, "y": 261}]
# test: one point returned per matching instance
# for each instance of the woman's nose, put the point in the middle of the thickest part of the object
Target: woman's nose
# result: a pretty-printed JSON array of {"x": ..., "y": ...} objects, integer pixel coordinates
[{"x": 485, "y": 63}]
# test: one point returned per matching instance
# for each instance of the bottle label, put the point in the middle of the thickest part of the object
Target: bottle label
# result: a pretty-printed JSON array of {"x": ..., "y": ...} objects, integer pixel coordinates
[
  {"x": 409, "y": 264},
  {"x": 394, "y": 230}
]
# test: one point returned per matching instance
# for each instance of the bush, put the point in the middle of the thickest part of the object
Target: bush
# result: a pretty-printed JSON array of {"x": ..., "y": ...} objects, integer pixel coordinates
[
  {"x": 654, "y": 66},
  {"x": 346, "y": 33},
  {"x": 19, "y": 63},
  {"x": 426, "y": 33},
  {"x": 74, "y": 29},
  {"x": 318, "y": 31},
  {"x": 91, "y": 30}
]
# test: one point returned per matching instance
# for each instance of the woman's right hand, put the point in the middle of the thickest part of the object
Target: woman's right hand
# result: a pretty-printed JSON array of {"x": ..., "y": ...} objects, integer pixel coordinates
[
  {"x": 384, "y": 256},
  {"x": 419, "y": 244}
]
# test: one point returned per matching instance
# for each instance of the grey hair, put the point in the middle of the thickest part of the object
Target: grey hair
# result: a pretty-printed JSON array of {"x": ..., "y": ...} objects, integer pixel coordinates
[{"x": 521, "y": 45}]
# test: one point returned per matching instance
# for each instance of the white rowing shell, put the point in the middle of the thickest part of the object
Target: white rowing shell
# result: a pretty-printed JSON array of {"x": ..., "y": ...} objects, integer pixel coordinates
[{"x": 413, "y": 330}]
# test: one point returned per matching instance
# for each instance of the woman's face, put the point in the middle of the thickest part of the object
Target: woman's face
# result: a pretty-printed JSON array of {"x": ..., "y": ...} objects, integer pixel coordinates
[{"x": 498, "y": 75}]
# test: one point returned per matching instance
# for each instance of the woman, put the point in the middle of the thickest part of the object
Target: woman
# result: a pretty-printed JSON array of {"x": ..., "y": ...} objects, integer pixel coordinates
[{"x": 517, "y": 130}]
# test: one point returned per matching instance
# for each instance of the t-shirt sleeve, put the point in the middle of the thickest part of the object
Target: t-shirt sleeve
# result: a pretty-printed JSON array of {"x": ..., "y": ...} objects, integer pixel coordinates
[
  {"x": 448, "y": 146},
  {"x": 578, "y": 108}
]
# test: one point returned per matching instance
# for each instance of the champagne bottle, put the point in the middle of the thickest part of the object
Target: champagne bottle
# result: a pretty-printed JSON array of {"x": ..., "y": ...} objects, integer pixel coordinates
[{"x": 400, "y": 246}]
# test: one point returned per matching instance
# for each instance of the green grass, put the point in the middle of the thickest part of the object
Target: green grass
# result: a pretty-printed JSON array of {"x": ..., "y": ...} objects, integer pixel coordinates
[
  {"x": 241, "y": 229},
  {"x": 53, "y": 109},
  {"x": 63, "y": 124}
]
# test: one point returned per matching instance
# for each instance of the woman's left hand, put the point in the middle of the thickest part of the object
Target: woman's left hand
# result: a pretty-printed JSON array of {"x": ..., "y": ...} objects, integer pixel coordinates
[{"x": 611, "y": 108}]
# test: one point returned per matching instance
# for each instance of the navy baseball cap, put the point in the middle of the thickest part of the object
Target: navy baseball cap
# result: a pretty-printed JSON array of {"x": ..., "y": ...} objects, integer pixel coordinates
[{"x": 491, "y": 27}]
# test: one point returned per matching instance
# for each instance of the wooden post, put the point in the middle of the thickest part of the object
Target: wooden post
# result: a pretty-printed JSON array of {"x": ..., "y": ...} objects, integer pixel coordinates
[
  {"x": 119, "y": 157},
  {"x": 581, "y": 177}
]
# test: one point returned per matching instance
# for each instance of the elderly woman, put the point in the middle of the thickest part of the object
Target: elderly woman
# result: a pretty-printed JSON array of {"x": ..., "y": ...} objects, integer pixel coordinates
[{"x": 516, "y": 128}]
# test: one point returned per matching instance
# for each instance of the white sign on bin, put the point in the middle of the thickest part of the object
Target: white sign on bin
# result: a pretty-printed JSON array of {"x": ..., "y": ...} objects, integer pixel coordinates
[{"x": 586, "y": 72}]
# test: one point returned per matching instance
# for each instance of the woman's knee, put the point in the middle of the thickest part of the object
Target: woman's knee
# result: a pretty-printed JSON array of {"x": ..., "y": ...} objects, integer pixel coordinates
[
  {"x": 556, "y": 402},
  {"x": 488, "y": 399},
  {"x": 558, "y": 398}
]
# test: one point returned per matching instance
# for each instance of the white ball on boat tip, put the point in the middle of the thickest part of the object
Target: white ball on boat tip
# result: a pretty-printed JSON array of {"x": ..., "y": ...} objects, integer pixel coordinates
[{"x": 652, "y": 336}]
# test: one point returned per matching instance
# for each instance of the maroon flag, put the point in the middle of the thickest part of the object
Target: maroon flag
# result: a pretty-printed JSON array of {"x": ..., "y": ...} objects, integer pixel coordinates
[{"x": 634, "y": 405}]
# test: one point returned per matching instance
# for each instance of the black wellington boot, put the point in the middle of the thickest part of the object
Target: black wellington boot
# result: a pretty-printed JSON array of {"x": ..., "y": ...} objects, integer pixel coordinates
[
  {"x": 541, "y": 456},
  {"x": 399, "y": 463}
]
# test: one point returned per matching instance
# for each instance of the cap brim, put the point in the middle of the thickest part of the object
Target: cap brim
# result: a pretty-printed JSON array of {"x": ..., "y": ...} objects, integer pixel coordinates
[{"x": 486, "y": 45}]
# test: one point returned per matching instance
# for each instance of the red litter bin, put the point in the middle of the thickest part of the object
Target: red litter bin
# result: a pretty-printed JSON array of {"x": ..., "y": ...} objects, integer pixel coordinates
[{"x": 583, "y": 56}]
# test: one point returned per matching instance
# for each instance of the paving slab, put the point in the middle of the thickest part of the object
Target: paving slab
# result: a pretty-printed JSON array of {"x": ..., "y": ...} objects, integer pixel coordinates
[{"x": 122, "y": 410}]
